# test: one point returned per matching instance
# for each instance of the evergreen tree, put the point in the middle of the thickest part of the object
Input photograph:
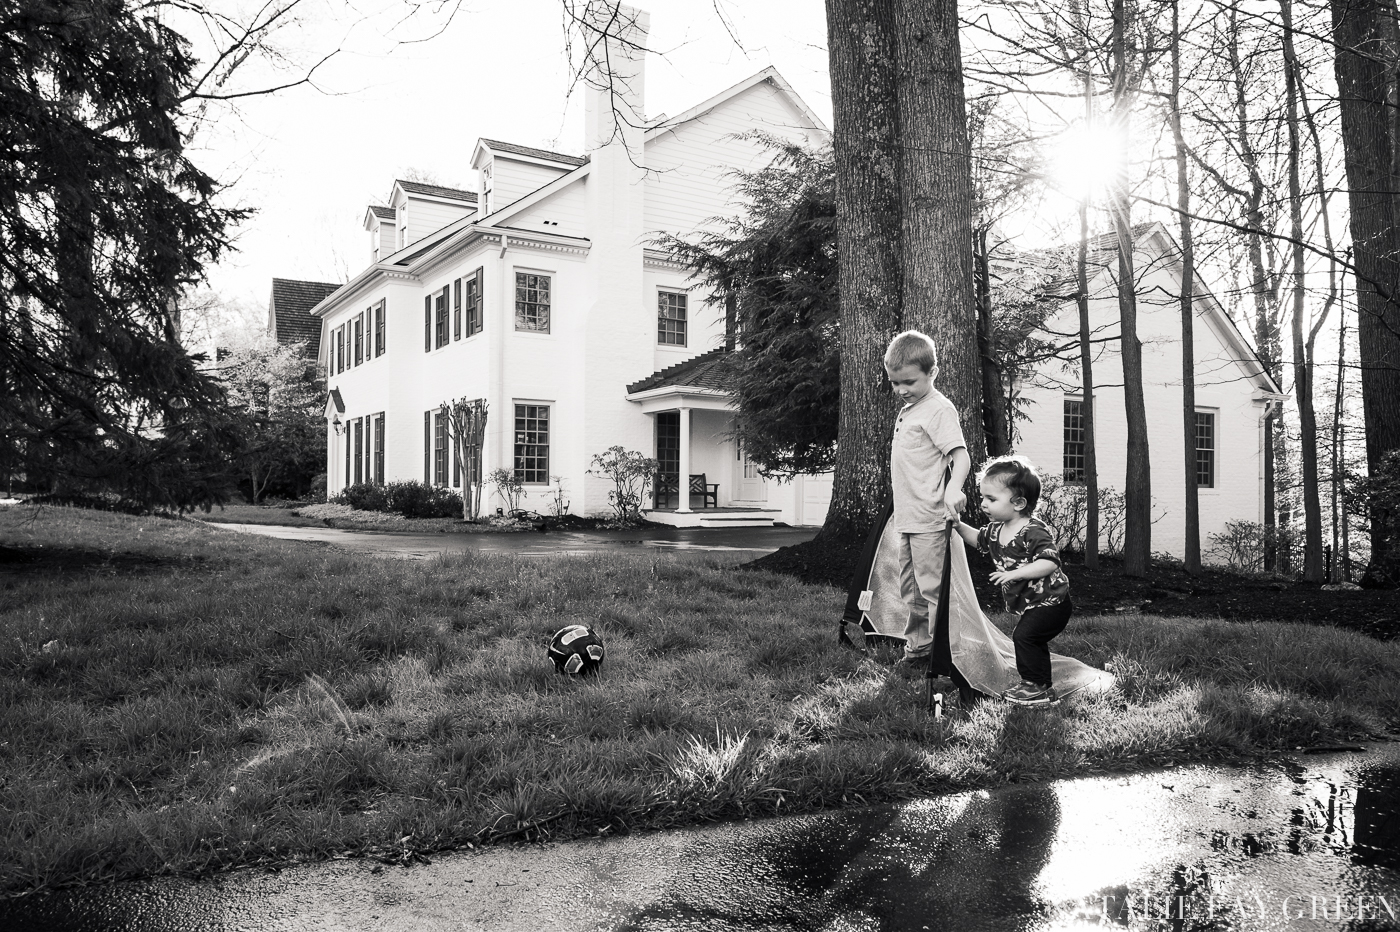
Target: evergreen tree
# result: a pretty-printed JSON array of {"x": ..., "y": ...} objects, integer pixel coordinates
[{"x": 103, "y": 220}]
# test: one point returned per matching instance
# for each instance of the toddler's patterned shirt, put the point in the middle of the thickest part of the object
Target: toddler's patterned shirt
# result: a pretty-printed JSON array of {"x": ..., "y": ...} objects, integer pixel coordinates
[{"x": 1033, "y": 542}]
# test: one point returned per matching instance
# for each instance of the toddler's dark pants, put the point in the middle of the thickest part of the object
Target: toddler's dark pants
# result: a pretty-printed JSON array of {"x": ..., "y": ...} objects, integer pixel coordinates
[{"x": 1035, "y": 630}]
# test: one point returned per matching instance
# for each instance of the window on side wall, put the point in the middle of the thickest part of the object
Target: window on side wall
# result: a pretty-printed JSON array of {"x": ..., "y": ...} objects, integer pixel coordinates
[
  {"x": 379, "y": 329},
  {"x": 440, "y": 318},
  {"x": 1205, "y": 449},
  {"x": 532, "y": 443},
  {"x": 671, "y": 318},
  {"x": 439, "y": 448},
  {"x": 532, "y": 302},
  {"x": 457, "y": 309},
  {"x": 1075, "y": 469},
  {"x": 339, "y": 349},
  {"x": 359, "y": 338},
  {"x": 472, "y": 287},
  {"x": 379, "y": 449}
]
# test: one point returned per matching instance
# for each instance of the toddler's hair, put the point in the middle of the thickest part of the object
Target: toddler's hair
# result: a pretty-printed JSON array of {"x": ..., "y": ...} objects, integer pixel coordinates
[
  {"x": 912, "y": 348},
  {"x": 1016, "y": 474}
]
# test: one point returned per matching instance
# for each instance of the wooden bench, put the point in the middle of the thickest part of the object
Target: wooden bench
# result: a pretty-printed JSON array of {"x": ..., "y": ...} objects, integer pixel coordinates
[{"x": 708, "y": 491}]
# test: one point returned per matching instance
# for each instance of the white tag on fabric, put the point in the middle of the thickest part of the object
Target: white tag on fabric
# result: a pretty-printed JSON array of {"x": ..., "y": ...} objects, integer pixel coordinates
[{"x": 863, "y": 603}]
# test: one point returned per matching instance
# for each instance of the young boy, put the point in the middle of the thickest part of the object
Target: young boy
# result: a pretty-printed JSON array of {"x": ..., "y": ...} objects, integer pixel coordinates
[
  {"x": 928, "y": 465},
  {"x": 1031, "y": 580}
]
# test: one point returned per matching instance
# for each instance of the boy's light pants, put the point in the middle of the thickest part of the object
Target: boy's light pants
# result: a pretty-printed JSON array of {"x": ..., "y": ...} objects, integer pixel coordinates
[{"x": 920, "y": 578}]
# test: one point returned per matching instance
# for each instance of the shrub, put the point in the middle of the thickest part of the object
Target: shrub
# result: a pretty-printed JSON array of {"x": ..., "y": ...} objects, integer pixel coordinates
[
  {"x": 1381, "y": 496},
  {"x": 630, "y": 473},
  {"x": 1062, "y": 507},
  {"x": 507, "y": 485},
  {"x": 1242, "y": 545},
  {"x": 411, "y": 499}
]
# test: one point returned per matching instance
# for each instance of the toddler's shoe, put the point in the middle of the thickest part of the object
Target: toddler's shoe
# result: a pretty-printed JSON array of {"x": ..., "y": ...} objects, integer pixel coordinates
[{"x": 1029, "y": 693}]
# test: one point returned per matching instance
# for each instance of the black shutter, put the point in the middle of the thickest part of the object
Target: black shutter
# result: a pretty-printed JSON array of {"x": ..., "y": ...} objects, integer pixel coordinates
[
  {"x": 428, "y": 324},
  {"x": 427, "y": 448}
]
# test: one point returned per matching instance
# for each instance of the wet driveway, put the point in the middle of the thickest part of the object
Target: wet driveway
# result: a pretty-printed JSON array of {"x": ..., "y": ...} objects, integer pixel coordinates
[
  {"x": 1313, "y": 843},
  {"x": 739, "y": 543}
]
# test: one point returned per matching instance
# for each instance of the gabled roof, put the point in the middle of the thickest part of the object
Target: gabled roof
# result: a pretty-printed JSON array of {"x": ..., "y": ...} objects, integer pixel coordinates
[
  {"x": 708, "y": 370},
  {"x": 289, "y": 311},
  {"x": 334, "y": 403},
  {"x": 769, "y": 75},
  {"x": 531, "y": 152},
  {"x": 383, "y": 213},
  {"x": 433, "y": 190}
]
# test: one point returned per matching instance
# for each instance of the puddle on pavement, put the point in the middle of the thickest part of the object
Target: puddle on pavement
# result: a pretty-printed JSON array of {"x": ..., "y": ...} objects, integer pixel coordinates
[{"x": 1314, "y": 844}]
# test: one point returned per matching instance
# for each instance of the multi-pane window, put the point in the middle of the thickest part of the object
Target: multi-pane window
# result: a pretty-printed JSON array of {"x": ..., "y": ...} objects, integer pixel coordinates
[
  {"x": 1074, "y": 464},
  {"x": 359, "y": 450},
  {"x": 670, "y": 318},
  {"x": 339, "y": 349},
  {"x": 473, "y": 303},
  {"x": 440, "y": 317},
  {"x": 379, "y": 450},
  {"x": 359, "y": 338},
  {"x": 379, "y": 329},
  {"x": 531, "y": 302},
  {"x": 532, "y": 443},
  {"x": 439, "y": 448},
  {"x": 1205, "y": 449}
]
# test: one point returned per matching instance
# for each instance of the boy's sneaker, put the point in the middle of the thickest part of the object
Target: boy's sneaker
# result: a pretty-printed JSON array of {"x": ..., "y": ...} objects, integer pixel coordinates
[
  {"x": 913, "y": 666},
  {"x": 1029, "y": 693}
]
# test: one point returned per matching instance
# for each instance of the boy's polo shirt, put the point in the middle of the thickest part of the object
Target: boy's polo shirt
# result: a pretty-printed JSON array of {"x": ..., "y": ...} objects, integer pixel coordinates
[{"x": 926, "y": 433}]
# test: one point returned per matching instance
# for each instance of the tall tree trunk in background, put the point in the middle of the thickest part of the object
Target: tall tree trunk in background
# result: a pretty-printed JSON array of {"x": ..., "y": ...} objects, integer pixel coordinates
[
  {"x": 1342, "y": 563},
  {"x": 1137, "y": 536},
  {"x": 1086, "y": 365},
  {"x": 996, "y": 420},
  {"x": 1192, "y": 544},
  {"x": 935, "y": 188},
  {"x": 1263, "y": 285},
  {"x": 860, "y": 43},
  {"x": 1313, "y": 568},
  {"x": 1365, "y": 36}
]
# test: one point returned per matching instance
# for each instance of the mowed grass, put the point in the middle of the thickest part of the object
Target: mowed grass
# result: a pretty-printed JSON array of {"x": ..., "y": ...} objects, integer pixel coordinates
[{"x": 237, "y": 700}]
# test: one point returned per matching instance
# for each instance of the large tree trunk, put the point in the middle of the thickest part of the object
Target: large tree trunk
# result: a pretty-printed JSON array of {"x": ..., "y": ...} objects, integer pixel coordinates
[
  {"x": 1364, "y": 34},
  {"x": 860, "y": 43},
  {"x": 1137, "y": 537},
  {"x": 1191, "y": 484},
  {"x": 935, "y": 187},
  {"x": 1313, "y": 569}
]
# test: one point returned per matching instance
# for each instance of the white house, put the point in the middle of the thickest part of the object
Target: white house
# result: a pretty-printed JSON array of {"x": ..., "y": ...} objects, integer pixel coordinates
[
  {"x": 1233, "y": 393},
  {"x": 540, "y": 292}
]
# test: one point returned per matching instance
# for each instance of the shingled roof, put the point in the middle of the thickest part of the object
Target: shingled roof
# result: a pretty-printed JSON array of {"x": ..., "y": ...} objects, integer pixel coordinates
[
  {"x": 383, "y": 213},
  {"x": 534, "y": 153},
  {"x": 289, "y": 312},
  {"x": 708, "y": 370},
  {"x": 434, "y": 190}
]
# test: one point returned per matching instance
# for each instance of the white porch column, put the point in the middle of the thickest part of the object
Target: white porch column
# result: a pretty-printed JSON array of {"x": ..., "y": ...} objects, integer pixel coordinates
[{"x": 684, "y": 504}]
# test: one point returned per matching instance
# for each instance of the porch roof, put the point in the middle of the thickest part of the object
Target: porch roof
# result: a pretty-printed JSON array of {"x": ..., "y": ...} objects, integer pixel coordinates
[{"x": 706, "y": 371}]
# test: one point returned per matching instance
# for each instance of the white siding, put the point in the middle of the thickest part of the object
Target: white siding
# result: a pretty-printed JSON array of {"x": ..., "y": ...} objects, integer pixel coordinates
[
  {"x": 690, "y": 167},
  {"x": 1221, "y": 385},
  {"x": 511, "y": 180},
  {"x": 562, "y": 212},
  {"x": 425, "y": 216}
]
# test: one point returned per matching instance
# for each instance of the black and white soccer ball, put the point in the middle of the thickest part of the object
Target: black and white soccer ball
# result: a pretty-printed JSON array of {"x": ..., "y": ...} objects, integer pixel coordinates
[{"x": 576, "y": 650}]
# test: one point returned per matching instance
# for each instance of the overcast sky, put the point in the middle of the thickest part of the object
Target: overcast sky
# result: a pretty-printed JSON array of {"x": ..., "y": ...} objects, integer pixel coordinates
[{"x": 310, "y": 161}]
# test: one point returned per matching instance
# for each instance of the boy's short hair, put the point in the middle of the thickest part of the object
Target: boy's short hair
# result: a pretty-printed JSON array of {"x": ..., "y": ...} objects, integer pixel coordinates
[
  {"x": 912, "y": 348},
  {"x": 1017, "y": 474}
]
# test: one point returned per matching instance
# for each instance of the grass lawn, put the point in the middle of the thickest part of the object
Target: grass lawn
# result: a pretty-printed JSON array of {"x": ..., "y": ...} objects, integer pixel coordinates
[
  {"x": 176, "y": 699},
  {"x": 357, "y": 520}
]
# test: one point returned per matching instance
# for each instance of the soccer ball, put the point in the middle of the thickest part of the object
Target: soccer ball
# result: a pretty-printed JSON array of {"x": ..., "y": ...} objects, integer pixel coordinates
[{"x": 576, "y": 650}]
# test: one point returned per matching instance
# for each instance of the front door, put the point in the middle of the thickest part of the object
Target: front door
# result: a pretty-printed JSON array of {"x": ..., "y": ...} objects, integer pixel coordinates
[{"x": 747, "y": 481}]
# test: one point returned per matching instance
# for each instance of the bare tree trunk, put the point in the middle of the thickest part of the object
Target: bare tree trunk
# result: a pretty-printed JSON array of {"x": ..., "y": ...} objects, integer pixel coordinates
[
  {"x": 1364, "y": 34},
  {"x": 860, "y": 43},
  {"x": 995, "y": 410},
  {"x": 1192, "y": 541},
  {"x": 1137, "y": 538},
  {"x": 935, "y": 188},
  {"x": 1086, "y": 367},
  {"x": 1313, "y": 569},
  {"x": 1263, "y": 284}
]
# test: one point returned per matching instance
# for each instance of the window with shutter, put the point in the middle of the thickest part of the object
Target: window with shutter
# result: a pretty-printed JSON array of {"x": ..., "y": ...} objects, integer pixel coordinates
[
  {"x": 473, "y": 302},
  {"x": 457, "y": 309}
]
